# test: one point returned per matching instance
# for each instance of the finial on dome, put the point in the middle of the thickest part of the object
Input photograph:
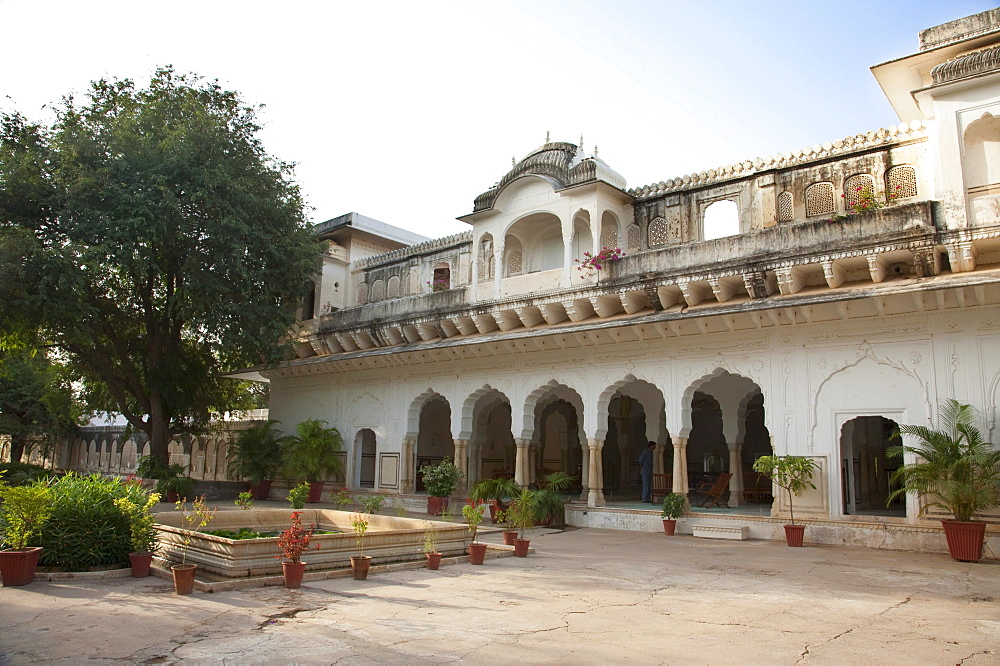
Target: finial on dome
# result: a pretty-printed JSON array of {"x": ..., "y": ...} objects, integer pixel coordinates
[
  {"x": 595, "y": 150},
  {"x": 581, "y": 143},
  {"x": 513, "y": 162},
  {"x": 546, "y": 136}
]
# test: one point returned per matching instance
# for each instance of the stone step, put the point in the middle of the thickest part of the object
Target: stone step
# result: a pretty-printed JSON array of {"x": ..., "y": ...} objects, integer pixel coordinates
[{"x": 733, "y": 532}]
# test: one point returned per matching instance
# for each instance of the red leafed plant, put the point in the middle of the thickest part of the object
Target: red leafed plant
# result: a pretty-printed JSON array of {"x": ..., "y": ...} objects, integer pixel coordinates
[{"x": 295, "y": 540}]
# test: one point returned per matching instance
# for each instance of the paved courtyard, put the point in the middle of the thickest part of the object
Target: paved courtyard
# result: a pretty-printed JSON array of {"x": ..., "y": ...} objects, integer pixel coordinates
[{"x": 586, "y": 596}]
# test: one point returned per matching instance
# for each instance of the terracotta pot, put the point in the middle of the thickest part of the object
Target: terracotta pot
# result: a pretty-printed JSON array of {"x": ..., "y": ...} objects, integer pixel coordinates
[
  {"x": 669, "y": 526},
  {"x": 171, "y": 497},
  {"x": 140, "y": 563},
  {"x": 494, "y": 509},
  {"x": 360, "y": 565},
  {"x": 315, "y": 492},
  {"x": 17, "y": 567},
  {"x": 183, "y": 577},
  {"x": 965, "y": 539},
  {"x": 508, "y": 537},
  {"x": 477, "y": 553},
  {"x": 262, "y": 490},
  {"x": 521, "y": 547},
  {"x": 437, "y": 505},
  {"x": 794, "y": 534},
  {"x": 292, "y": 571},
  {"x": 433, "y": 561}
]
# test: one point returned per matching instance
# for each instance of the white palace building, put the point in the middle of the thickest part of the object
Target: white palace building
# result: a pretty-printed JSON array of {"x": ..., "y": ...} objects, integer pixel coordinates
[
  {"x": 841, "y": 289},
  {"x": 804, "y": 326}
]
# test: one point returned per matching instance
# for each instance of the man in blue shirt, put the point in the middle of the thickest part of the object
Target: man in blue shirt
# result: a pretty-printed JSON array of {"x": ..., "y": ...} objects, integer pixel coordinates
[{"x": 646, "y": 471}]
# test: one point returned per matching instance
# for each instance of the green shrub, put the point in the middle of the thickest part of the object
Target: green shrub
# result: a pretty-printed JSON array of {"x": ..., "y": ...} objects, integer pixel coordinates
[
  {"x": 297, "y": 495},
  {"x": 86, "y": 528},
  {"x": 22, "y": 474}
]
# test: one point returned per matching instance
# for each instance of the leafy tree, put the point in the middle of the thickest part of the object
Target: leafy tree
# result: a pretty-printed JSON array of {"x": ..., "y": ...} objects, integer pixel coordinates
[
  {"x": 157, "y": 244},
  {"x": 36, "y": 399}
]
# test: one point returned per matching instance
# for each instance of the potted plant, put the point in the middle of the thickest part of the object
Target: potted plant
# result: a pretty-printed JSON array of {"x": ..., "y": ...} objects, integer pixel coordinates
[
  {"x": 497, "y": 492},
  {"x": 440, "y": 480},
  {"x": 311, "y": 455},
  {"x": 372, "y": 503},
  {"x": 297, "y": 495},
  {"x": 293, "y": 542},
  {"x": 24, "y": 509},
  {"x": 673, "y": 508},
  {"x": 522, "y": 515},
  {"x": 430, "y": 548},
  {"x": 794, "y": 474},
  {"x": 509, "y": 531},
  {"x": 198, "y": 517},
  {"x": 255, "y": 456},
  {"x": 549, "y": 500},
  {"x": 244, "y": 500},
  {"x": 174, "y": 484},
  {"x": 360, "y": 563},
  {"x": 955, "y": 470},
  {"x": 142, "y": 535},
  {"x": 473, "y": 514}
]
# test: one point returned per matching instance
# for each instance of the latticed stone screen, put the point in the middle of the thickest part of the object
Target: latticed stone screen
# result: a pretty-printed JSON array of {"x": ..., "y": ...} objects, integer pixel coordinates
[
  {"x": 786, "y": 212},
  {"x": 362, "y": 293},
  {"x": 514, "y": 263},
  {"x": 901, "y": 182},
  {"x": 659, "y": 232},
  {"x": 609, "y": 237},
  {"x": 378, "y": 290},
  {"x": 857, "y": 187},
  {"x": 633, "y": 238},
  {"x": 393, "y": 289},
  {"x": 819, "y": 199}
]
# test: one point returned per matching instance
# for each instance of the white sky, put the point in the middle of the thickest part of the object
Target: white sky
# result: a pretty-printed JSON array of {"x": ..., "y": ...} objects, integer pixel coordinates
[{"x": 406, "y": 111}]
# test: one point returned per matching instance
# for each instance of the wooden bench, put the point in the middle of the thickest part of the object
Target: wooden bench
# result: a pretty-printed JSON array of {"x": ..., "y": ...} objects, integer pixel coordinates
[{"x": 663, "y": 485}]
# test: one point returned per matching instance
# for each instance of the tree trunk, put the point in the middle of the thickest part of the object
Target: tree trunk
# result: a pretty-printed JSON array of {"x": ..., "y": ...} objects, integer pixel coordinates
[
  {"x": 16, "y": 448},
  {"x": 158, "y": 430}
]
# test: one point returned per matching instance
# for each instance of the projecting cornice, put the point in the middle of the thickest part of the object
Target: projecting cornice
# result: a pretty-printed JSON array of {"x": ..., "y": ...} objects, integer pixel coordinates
[{"x": 973, "y": 64}]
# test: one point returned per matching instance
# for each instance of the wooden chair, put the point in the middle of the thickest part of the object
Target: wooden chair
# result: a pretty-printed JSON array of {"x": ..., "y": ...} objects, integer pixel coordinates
[
  {"x": 663, "y": 485},
  {"x": 715, "y": 490}
]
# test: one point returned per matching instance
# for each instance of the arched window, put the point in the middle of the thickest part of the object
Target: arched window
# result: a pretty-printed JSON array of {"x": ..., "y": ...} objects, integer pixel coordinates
[
  {"x": 442, "y": 277},
  {"x": 378, "y": 291},
  {"x": 901, "y": 182},
  {"x": 982, "y": 152},
  {"x": 658, "y": 232},
  {"x": 309, "y": 302},
  {"x": 858, "y": 190},
  {"x": 393, "y": 288},
  {"x": 609, "y": 230},
  {"x": 721, "y": 219},
  {"x": 786, "y": 212},
  {"x": 633, "y": 242},
  {"x": 515, "y": 259},
  {"x": 362, "y": 293},
  {"x": 485, "y": 260},
  {"x": 819, "y": 199}
]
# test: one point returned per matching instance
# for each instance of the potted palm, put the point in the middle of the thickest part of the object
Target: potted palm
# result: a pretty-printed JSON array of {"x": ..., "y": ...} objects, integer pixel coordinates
[
  {"x": 497, "y": 492},
  {"x": 311, "y": 455},
  {"x": 360, "y": 563},
  {"x": 509, "y": 531},
  {"x": 173, "y": 483},
  {"x": 142, "y": 536},
  {"x": 25, "y": 510},
  {"x": 195, "y": 518},
  {"x": 255, "y": 456},
  {"x": 293, "y": 542},
  {"x": 522, "y": 515},
  {"x": 473, "y": 514},
  {"x": 955, "y": 470},
  {"x": 794, "y": 474},
  {"x": 673, "y": 508},
  {"x": 440, "y": 480},
  {"x": 430, "y": 549},
  {"x": 549, "y": 501}
]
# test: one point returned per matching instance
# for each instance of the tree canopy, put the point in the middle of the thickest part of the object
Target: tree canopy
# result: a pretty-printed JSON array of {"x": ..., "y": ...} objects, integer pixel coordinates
[{"x": 153, "y": 239}]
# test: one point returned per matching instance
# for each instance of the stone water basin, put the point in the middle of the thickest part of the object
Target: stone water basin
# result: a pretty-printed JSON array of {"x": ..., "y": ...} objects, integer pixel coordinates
[{"x": 389, "y": 539}]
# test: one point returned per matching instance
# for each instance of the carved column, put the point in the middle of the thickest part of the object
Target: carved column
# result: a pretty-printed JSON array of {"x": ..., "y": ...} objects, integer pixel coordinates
[
  {"x": 462, "y": 463},
  {"x": 521, "y": 461},
  {"x": 407, "y": 483},
  {"x": 680, "y": 466},
  {"x": 584, "y": 470},
  {"x": 736, "y": 468},
  {"x": 595, "y": 480}
]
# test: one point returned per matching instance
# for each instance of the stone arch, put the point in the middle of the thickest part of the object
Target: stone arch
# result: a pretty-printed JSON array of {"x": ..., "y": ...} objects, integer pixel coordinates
[
  {"x": 362, "y": 293},
  {"x": 513, "y": 257},
  {"x": 485, "y": 424},
  {"x": 654, "y": 404},
  {"x": 610, "y": 230},
  {"x": 819, "y": 199},
  {"x": 392, "y": 290},
  {"x": 552, "y": 387},
  {"x": 701, "y": 382},
  {"x": 786, "y": 208},
  {"x": 869, "y": 386},
  {"x": 857, "y": 188},
  {"x": 541, "y": 239},
  {"x": 441, "y": 280},
  {"x": 485, "y": 260},
  {"x": 982, "y": 151},
  {"x": 583, "y": 235},
  {"x": 633, "y": 238}
]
